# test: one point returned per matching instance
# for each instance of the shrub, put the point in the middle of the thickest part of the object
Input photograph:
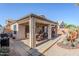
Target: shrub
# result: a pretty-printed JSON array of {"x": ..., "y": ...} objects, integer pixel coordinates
[{"x": 4, "y": 51}]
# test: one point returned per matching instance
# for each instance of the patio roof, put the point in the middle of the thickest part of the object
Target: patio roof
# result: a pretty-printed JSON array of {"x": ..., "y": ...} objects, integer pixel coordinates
[{"x": 36, "y": 16}]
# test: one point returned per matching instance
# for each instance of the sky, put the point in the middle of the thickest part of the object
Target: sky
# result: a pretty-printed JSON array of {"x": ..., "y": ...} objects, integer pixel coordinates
[{"x": 69, "y": 13}]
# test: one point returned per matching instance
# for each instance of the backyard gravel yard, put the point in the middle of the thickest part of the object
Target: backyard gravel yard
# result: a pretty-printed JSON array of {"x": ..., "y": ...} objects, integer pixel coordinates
[{"x": 55, "y": 50}]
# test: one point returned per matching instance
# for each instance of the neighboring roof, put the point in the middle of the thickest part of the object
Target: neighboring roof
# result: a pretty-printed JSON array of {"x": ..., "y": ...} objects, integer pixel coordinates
[
  {"x": 37, "y": 16},
  {"x": 10, "y": 22}
]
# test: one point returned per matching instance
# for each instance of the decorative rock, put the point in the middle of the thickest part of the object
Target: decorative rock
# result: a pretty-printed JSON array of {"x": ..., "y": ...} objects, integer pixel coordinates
[{"x": 65, "y": 42}]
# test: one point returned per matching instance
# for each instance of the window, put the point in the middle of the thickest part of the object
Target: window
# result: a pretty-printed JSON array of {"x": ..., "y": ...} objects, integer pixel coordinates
[{"x": 14, "y": 28}]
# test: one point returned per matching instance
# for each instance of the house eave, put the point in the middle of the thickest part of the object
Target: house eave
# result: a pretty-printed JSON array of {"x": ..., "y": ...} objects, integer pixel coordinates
[{"x": 36, "y": 16}]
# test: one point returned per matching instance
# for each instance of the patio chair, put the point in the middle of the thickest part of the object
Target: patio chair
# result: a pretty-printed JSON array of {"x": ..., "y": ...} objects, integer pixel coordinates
[{"x": 40, "y": 37}]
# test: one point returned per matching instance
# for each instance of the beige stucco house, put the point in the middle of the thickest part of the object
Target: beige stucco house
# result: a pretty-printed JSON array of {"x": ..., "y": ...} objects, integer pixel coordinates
[{"x": 29, "y": 27}]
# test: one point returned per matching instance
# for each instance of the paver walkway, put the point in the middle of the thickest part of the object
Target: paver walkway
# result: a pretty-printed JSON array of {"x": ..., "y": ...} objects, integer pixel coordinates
[
  {"x": 55, "y": 50},
  {"x": 18, "y": 48}
]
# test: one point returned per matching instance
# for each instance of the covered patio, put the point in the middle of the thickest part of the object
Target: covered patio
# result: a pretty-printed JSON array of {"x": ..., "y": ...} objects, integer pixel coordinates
[{"x": 34, "y": 29}]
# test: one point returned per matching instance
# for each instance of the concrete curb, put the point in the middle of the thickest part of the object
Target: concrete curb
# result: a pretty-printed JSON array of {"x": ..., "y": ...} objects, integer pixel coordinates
[{"x": 52, "y": 44}]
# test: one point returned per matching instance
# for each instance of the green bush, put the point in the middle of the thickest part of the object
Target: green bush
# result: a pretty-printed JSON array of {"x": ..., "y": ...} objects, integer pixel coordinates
[{"x": 65, "y": 42}]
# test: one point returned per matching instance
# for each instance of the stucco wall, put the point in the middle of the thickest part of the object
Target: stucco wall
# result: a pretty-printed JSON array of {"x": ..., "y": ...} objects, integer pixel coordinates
[{"x": 21, "y": 32}]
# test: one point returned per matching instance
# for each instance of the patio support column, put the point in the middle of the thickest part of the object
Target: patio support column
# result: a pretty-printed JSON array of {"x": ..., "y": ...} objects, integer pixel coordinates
[
  {"x": 32, "y": 36},
  {"x": 56, "y": 30},
  {"x": 49, "y": 32}
]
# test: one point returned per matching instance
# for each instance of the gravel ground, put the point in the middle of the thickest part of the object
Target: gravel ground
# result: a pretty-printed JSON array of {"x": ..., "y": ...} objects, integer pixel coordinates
[{"x": 58, "y": 51}]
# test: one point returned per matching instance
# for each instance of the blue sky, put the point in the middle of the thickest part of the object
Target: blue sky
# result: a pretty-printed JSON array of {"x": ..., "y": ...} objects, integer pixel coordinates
[{"x": 69, "y": 13}]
